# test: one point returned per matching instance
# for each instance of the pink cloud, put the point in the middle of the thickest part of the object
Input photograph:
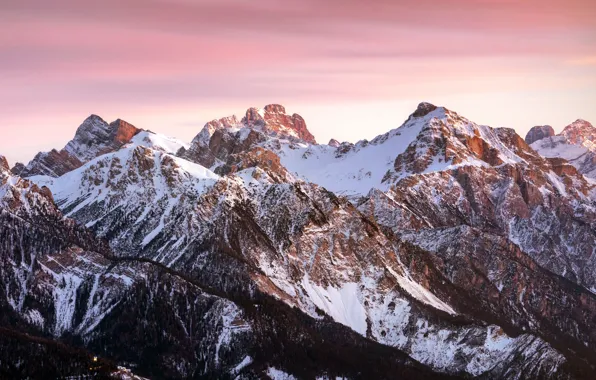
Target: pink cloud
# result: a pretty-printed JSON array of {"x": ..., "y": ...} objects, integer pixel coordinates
[{"x": 66, "y": 57}]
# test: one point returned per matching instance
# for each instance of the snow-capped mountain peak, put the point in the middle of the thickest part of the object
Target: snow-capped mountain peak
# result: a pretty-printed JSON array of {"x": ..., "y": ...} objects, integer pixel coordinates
[
  {"x": 458, "y": 246},
  {"x": 4, "y": 167},
  {"x": 580, "y": 132},
  {"x": 431, "y": 139},
  {"x": 271, "y": 120},
  {"x": 158, "y": 141},
  {"x": 93, "y": 138},
  {"x": 576, "y": 144},
  {"x": 143, "y": 179}
]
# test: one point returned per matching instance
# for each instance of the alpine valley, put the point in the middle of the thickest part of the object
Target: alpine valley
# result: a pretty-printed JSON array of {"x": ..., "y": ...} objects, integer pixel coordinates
[{"x": 440, "y": 249}]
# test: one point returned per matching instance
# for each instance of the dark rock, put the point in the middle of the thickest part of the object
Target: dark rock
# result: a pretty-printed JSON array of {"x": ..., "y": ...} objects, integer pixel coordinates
[
  {"x": 424, "y": 109},
  {"x": 538, "y": 133}
]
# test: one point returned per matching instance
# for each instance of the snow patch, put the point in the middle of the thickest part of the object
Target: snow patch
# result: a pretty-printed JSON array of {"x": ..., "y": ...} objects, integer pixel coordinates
[
  {"x": 419, "y": 292},
  {"x": 343, "y": 304},
  {"x": 277, "y": 374}
]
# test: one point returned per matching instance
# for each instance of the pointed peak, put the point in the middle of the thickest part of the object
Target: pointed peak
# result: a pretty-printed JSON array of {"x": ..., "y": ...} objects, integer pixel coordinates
[
  {"x": 334, "y": 143},
  {"x": 95, "y": 137},
  {"x": 580, "y": 123},
  {"x": 92, "y": 122},
  {"x": 273, "y": 118},
  {"x": 275, "y": 108},
  {"x": 579, "y": 132},
  {"x": 424, "y": 109},
  {"x": 4, "y": 164},
  {"x": 93, "y": 118},
  {"x": 122, "y": 131},
  {"x": 228, "y": 122},
  {"x": 254, "y": 116},
  {"x": 224, "y": 122}
]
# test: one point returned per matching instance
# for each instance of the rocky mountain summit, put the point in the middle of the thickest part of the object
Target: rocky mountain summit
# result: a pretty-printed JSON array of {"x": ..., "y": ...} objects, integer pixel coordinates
[
  {"x": 576, "y": 144},
  {"x": 441, "y": 248},
  {"x": 580, "y": 132},
  {"x": 93, "y": 138},
  {"x": 539, "y": 132}
]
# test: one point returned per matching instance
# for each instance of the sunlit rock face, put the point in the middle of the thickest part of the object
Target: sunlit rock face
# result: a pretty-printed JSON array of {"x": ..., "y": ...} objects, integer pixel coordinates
[
  {"x": 93, "y": 138},
  {"x": 446, "y": 247}
]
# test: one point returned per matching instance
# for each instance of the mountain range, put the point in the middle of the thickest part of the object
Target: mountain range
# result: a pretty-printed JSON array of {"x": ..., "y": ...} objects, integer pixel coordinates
[{"x": 440, "y": 249}]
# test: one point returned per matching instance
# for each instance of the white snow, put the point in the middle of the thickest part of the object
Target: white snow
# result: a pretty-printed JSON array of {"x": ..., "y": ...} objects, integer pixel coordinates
[
  {"x": 228, "y": 314},
  {"x": 34, "y": 317},
  {"x": 80, "y": 186},
  {"x": 245, "y": 362},
  {"x": 277, "y": 374},
  {"x": 556, "y": 182},
  {"x": 557, "y": 146},
  {"x": 356, "y": 171},
  {"x": 158, "y": 141},
  {"x": 342, "y": 304},
  {"x": 580, "y": 156},
  {"x": 419, "y": 292}
]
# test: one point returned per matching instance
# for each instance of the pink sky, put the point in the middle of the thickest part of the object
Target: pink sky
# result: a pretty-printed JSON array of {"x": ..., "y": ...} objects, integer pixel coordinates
[{"x": 353, "y": 69}]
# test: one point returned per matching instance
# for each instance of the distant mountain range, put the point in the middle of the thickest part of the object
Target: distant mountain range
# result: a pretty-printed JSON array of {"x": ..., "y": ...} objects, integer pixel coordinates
[{"x": 440, "y": 249}]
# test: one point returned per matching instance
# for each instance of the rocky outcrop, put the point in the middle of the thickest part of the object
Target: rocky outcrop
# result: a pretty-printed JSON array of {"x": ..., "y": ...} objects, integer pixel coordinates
[
  {"x": 61, "y": 287},
  {"x": 273, "y": 119},
  {"x": 576, "y": 144},
  {"x": 538, "y": 133},
  {"x": 93, "y": 138},
  {"x": 441, "y": 245},
  {"x": 334, "y": 143},
  {"x": 53, "y": 163},
  {"x": 221, "y": 138},
  {"x": 18, "y": 168},
  {"x": 580, "y": 132},
  {"x": 424, "y": 109},
  {"x": 4, "y": 167}
]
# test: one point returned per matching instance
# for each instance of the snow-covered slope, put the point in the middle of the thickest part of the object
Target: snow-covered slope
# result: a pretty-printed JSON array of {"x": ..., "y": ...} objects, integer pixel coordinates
[
  {"x": 349, "y": 170},
  {"x": 458, "y": 246},
  {"x": 432, "y": 139},
  {"x": 58, "y": 280},
  {"x": 143, "y": 184},
  {"x": 576, "y": 144}
]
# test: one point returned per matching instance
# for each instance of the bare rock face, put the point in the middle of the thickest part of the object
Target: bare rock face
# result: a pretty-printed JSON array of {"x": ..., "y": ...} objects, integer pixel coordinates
[
  {"x": 448, "y": 139},
  {"x": 4, "y": 164},
  {"x": 214, "y": 142},
  {"x": 274, "y": 119},
  {"x": 538, "y": 133},
  {"x": 334, "y": 143},
  {"x": 206, "y": 298},
  {"x": 424, "y": 109},
  {"x": 464, "y": 252},
  {"x": 93, "y": 138},
  {"x": 53, "y": 163},
  {"x": 580, "y": 132},
  {"x": 18, "y": 168}
]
